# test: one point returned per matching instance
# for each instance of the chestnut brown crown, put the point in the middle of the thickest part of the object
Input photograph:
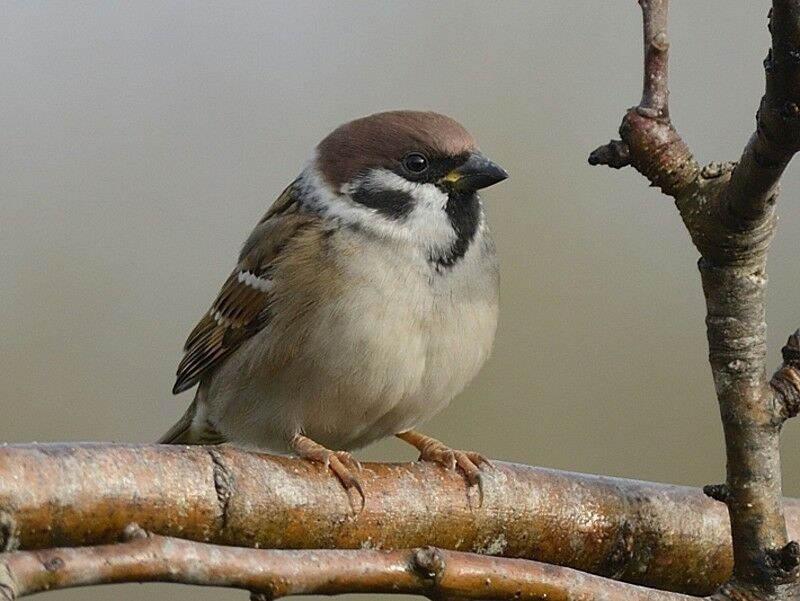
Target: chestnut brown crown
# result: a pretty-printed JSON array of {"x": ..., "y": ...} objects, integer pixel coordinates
[{"x": 379, "y": 140}]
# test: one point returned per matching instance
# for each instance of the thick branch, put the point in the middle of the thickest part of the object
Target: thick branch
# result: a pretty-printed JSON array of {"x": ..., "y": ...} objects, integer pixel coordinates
[
  {"x": 734, "y": 247},
  {"x": 274, "y": 573},
  {"x": 667, "y": 537},
  {"x": 737, "y": 352}
]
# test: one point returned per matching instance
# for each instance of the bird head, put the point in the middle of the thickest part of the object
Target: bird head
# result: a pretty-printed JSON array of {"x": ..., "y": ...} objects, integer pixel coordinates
[{"x": 409, "y": 175}]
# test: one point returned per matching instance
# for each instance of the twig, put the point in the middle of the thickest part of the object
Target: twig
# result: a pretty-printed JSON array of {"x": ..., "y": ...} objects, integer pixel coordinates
[
  {"x": 271, "y": 574},
  {"x": 615, "y": 154},
  {"x": 655, "y": 89},
  {"x": 729, "y": 213},
  {"x": 786, "y": 381},
  {"x": 754, "y": 183},
  {"x": 649, "y": 140}
]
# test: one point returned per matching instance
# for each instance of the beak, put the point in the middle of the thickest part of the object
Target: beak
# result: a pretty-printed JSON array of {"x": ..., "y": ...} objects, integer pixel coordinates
[{"x": 475, "y": 173}]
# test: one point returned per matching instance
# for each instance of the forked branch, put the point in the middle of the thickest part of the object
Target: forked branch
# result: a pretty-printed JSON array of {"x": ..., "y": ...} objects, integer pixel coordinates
[
  {"x": 649, "y": 141},
  {"x": 729, "y": 212}
]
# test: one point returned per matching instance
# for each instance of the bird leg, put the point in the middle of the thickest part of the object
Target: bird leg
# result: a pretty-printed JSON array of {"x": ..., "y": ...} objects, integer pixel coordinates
[
  {"x": 431, "y": 449},
  {"x": 341, "y": 463}
]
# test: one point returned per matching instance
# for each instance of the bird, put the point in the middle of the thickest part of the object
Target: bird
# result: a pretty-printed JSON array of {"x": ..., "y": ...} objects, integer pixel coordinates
[{"x": 363, "y": 301}]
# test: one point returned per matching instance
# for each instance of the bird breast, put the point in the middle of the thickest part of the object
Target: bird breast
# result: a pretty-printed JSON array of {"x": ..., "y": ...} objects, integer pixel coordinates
[{"x": 382, "y": 341}]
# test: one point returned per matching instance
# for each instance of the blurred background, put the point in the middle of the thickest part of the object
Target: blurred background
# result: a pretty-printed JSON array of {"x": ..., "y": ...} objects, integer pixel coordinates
[{"x": 142, "y": 141}]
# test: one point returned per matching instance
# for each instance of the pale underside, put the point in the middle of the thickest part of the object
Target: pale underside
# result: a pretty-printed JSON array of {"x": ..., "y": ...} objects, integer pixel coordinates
[{"x": 365, "y": 337}]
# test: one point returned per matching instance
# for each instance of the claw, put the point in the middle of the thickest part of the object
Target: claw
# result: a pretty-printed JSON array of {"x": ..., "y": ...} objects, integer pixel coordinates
[
  {"x": 346, "y": 477},
  {"x": 479, "y": 459},
  {"x": 479, "y": 482},
  {"x": 467, "y": 462},
  {"x": 341, "y": 463},
  {"x": 348, "y": 460}
]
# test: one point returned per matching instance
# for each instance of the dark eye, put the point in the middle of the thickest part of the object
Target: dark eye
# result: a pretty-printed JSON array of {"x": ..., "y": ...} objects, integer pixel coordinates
[{"x": 415, "y": 162}]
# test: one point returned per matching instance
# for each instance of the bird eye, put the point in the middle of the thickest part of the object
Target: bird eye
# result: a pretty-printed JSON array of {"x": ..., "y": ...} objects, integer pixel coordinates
[{"x": 415, "y": 162}]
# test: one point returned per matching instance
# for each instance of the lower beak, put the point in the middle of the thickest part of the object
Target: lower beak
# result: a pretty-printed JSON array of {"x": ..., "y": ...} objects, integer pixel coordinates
[{"x": 475, "y": 173}]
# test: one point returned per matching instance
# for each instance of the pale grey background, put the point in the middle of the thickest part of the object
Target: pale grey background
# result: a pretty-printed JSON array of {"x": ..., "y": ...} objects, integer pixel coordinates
[{"x": 142, "y": 140}]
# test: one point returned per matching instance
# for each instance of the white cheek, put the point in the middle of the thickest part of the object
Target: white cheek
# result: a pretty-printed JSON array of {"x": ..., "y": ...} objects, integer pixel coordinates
[
  {"x": 427, "y": 225},
  {"x": 428, "y": 221}
]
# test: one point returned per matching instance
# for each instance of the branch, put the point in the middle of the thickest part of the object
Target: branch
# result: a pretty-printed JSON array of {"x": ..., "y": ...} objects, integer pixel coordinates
[
  {"x": 667, "y": 537},
  {"x": 649, "y": 142},
  {"x": 271, "y": 574},
  {"x": 754, "y": 183},
  {"x": 729, "y": 213},
  {"x": 786, "y": 381},
  {"x": 655, "y": 89}
]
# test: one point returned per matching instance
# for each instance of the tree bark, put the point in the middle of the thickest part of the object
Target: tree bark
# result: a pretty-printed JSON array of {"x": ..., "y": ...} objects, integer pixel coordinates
[
  {"x": 729, "y": 211},
  {"x": 270, "y": 574},
  {"x": 668, "y": 537}
]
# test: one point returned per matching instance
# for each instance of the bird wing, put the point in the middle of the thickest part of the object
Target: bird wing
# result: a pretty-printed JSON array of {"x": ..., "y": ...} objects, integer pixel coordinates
[{"x": 242, "y": 307}]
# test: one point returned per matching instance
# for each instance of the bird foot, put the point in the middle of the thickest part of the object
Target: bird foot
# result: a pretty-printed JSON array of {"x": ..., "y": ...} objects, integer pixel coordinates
[
  {"x": 436, "y": 451},
  {"x": 341, "y": 463}
]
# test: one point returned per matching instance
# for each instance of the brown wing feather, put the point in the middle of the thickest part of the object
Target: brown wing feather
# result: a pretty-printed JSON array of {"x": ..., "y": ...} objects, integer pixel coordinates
[{"x": 242, "y": 308}]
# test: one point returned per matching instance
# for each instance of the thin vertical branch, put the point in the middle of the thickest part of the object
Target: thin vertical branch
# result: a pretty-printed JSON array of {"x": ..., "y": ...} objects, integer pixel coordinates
[
  {"x": 649, "y": 141},
  {"x": 655, "y": 89}
]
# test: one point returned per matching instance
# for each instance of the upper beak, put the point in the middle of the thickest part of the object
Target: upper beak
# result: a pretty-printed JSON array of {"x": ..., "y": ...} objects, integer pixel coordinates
[{"x": 475, "y": 173}]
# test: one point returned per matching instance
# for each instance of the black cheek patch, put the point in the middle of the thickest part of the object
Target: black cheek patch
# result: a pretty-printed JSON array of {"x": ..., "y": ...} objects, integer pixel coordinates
[{"x": 393, "y": 204}]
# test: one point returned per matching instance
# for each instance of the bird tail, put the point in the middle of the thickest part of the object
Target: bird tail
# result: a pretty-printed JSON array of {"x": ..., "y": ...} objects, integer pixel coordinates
[
  {"x": 182, "y": 432},
  {"x": 193, "y": 427}
]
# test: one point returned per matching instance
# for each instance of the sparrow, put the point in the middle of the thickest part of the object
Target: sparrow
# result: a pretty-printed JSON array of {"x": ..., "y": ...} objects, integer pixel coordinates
[{"x": 363, "y": 301}]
